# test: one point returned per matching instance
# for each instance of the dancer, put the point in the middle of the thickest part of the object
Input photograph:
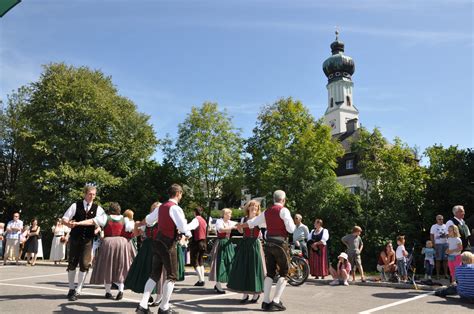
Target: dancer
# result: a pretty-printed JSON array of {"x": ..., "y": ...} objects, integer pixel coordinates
[
  {"x": 115, "y": 255},
  {"x": 279, "y": 223},
  {"x": 248, "y": 269},
  {"x": 223, "y": 251},
  {"x": 140, "y": 270},
  {"x": 80, "y": 239},
  {"x": 170, "y": 217},
  {"x": 198, "y": 245}
]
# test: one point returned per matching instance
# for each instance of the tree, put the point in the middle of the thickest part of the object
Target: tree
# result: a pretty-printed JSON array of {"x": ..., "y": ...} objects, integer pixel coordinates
[
  {"x": 77, "y": 129},
  {"x": 289, "y": 150},
  {"x": 392, "y": 202},
  {"x": 208, "y": 150}
]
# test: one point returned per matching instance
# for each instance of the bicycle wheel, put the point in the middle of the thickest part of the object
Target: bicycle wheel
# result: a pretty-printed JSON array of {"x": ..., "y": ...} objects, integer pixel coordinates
[{"x": 298, "y": 271}]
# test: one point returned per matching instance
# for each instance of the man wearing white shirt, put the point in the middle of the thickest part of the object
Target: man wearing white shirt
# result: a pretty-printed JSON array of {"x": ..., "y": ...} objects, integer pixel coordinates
[
  {"x": 458, "y": 220},
  {"x": 13, "y": 232},
  {"x": 171, "y": 219},
  {"x": 80, "y": 239},
  {"x": 439, "y": 236},
  {"x": 278, "y": 221}
]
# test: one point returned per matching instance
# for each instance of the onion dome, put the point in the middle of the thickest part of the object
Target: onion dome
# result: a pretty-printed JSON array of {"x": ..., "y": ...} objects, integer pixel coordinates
[{"x": 338, "y": 66}]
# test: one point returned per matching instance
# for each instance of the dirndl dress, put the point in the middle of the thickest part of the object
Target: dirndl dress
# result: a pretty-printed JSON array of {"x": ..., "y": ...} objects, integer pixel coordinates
[
  {"x": 180, "y": 249},
  {"x": 248, "y": 269},
  {"x": 222, "y": 257},
  {"x": 318, "y": 258}
]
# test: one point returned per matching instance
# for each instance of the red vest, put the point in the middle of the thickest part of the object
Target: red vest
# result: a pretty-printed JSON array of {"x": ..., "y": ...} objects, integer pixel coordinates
[
  {"x": 165, "y": 224},
  {"x": 223, "y": 235},
  {"x": 275, "y": 225},
  {"x": 114, "y": 228},
  {"x": 252, "y": 233},
  {"x": 151, "y": 232},
  {"x": 200, "y": 232}
]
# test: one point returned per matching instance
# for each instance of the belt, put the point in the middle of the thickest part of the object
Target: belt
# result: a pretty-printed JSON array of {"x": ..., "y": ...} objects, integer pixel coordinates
[
  {"x": 62, "y": 235},
  {"x": 277, "y": 239}
]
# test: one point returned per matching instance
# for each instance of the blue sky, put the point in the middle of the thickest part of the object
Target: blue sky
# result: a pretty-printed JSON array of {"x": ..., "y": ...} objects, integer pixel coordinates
[{"x": 414, "y": 58}]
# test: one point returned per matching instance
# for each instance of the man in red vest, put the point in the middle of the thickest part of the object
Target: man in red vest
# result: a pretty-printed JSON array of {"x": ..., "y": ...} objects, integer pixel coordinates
[
  {"x": 198, "y": 245},
  {"x": 279, "y": 223},
  {"x": 170, "y": 219}
]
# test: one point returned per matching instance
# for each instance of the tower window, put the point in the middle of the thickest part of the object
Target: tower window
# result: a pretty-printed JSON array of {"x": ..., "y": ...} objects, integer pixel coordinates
[
  {"x": 332, "y": 102},
  {"x": 348, "y": 99}
]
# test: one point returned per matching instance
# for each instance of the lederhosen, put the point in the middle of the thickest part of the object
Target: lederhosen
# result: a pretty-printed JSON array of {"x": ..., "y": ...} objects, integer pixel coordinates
[
  {"x": 164, "y": 246},
  {"x": 198, "y": 245},
  {"x": 276, "y": 244},
  {"x": 464, "y": 232},
  {"x": 80, "y": 239}
]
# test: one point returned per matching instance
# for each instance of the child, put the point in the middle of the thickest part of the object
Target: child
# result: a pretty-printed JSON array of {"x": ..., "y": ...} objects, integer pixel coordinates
[
  {"x": 343, "y": 267},
  {"x": 454, "y": 250},
  {"x": 429, "y": 252},
  {"x": 401, "y": 255},
  {"x": 354, "y": 245}
]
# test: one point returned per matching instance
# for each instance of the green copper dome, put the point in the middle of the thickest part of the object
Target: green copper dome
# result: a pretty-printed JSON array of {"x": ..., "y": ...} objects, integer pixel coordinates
[{"x": 338, "y": 66}]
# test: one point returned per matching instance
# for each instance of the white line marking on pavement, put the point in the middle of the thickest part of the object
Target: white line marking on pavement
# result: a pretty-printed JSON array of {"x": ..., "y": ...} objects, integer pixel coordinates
[
  {"x": 206, "y": 298},
  {"x": 61, "y": 290},
  {"x": 11, "y": 279},
  {"x": 396, "y": 303}
]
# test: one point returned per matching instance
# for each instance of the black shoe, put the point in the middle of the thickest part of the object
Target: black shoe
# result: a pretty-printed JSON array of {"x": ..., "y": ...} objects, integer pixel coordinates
[
  {"x": 119, "y": 296},
  {"x": 219, "y": 291},
  {"x": 139, "y": 309},
  {"x": 168, "y": 311},
  {"x": 255, "y": 300},
  {"x": 279, "y": 306},
  {"x": 108, "y": 296},
  {"x": 199, "y": 284},
  {"x": 154, "y": 304},
  {"x": 245, "y": 300},
  {"x": 150, "y": 300},
  {"x": 268, "y": 307},
  {"x": 114, "y": 286},
  {"x": 72, "y": 295}
]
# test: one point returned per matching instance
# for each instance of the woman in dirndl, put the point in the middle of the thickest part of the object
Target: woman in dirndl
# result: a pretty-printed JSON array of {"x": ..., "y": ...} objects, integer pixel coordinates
[
  {"x": 58, "y": 244},
  {"x": 115, "y": 254},
  {"x": 223, "y": 251},
  {"x": 318, "y": 258},
  {"x": 248, "y": 269}
]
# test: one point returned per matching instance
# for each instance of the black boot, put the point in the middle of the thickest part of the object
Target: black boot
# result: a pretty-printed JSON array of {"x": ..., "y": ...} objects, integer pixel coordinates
[{"x": 72, "y": 295}]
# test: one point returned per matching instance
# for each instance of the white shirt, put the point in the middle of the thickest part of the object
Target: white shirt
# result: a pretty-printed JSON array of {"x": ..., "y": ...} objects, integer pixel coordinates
[
  {"x": 177, "y": 215},
  {"x": 399, "y": 252},
  {"x": 102, "y": 220},
  {"x": 453, "y": 245},
  {"x": 285, "y": 215},
  {"x": 437, "y": 230},
  {"x": 325, "y": 237},
  {"x": 220, "y": 224},
  {"x": 14, "y": 224},
  {"x": 71, "y": 211},
  {"x": 451, "y": 223}
]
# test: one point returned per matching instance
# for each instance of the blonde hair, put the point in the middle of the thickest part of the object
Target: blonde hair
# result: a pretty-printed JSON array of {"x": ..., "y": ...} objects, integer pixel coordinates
[
  {"x": 226, "y": 210},
  {"x": 467, "y": 258},
  {"x": 356, "y": 228},
  {"x": 248, "y": 204},
  {"x": 89, "y": 188},
  {"x": 455, "y": 231},
  {"x": 154, "y": 205},
  {"x": 128, "y": 213}
]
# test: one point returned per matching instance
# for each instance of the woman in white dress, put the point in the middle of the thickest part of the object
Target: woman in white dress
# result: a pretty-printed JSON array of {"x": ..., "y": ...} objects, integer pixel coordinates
[{"x": 58, "y": 246}]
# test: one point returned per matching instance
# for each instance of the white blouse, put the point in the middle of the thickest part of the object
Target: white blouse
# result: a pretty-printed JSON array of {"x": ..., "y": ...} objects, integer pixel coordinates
[{"x": 325, "y": 237}]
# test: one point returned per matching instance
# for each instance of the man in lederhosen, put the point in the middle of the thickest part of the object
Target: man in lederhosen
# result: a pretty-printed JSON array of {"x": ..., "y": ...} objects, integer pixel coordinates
[
  {"x": 171, "y": 219},
  {"x": 279, "y": 223},
  {"x": 198, "y": 245},
  {"x": 80, "y": 239}
]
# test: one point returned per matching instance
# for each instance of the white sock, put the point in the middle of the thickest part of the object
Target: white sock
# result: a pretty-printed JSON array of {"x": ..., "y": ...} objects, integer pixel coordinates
[
  {"x": 108, "y": 288},
  {"x": 81, "y": 277},
  {"x": 71, "y": 276},
  {"x": 149, "y": 286},
  {"x": 198, "y": 272},
  {"x": 280, "y": 286},
  {"x": 121, "y": 286},
  {"x": 267, "y": 289},
  {"x": 245, "y": 296},
  {"x": 202, "y": 273},
  {"x": 219, "y": 286},
  {"x": 166, "y": 295}
]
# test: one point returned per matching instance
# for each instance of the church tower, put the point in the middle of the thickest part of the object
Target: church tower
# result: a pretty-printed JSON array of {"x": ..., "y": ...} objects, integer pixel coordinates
[{"x": 341, "y": 114}]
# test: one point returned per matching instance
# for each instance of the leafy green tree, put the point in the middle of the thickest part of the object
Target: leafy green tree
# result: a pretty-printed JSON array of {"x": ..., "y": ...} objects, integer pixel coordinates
[
  {"x": 76, "y": 128},
  {"x": 392, "y": 202},
  {"x": 208, "y": 151},
  {"x": 291, "y": 151}
]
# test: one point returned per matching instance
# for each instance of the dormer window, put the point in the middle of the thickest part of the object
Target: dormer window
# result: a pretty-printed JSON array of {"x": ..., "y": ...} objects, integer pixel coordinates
[
  {"x": 349, "y": 164},
  {"x": 348, "y": 100}
]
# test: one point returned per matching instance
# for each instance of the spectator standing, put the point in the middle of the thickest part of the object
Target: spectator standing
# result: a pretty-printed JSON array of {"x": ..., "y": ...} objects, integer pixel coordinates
[
  {"x": 318, "y": 257},
  {"x": 454, "y": 250},
  {"x": 386, "y": 264},
  {"x": 300, "y": 235},
  {"x": 458, "y": 220},
  {"x": 439, "y": 236},
  {"x": 31, "y": 244},
  {"x": 355, "y": 246},
  {"x": 401, "y": 255},
  {"x": 13, "y": 233},
  {"x": 429, "y": 253},
  {"x": 58, "y": 244}
]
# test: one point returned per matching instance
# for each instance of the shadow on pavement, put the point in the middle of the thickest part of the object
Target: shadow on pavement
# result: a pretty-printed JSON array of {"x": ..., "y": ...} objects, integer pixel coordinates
[
  {"x": 397, "y": 295},
  {"x": 220, "y": 305},
  {"x": 453, "y": 300}
]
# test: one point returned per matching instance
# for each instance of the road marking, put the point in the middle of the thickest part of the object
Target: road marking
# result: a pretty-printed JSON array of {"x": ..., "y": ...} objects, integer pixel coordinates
[
  {"x": 396, "y": 303},
  {"x": 61, "y": 290},
  {"x": 39, "y": 276}
]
